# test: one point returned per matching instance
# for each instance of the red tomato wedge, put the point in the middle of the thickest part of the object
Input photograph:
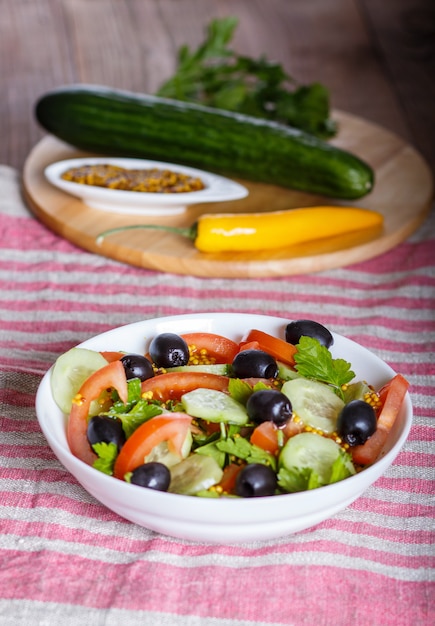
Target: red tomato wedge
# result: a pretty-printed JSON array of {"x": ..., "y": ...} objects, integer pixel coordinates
[
  {"x": 228, "y": 480},
  {"x": 265, "y": 436},
  {"x": 173, "y": 385},
  {"x": 392, "y": 396},
  {"x": 170, "y": 427},
  {"x": 211, "y": 427},
  {"x": 278, "y": 348},
  {"x": 218, "y": 347},
  {"x": 292, "y": 428},
  {"x": 251, "y": 345},
  {"x": 108, "y": 377},
  {"x": 112, "y": 356}
]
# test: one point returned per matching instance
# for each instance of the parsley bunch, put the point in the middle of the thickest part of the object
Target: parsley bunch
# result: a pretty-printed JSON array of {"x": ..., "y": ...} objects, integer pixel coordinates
[{"x": 215, "y": 75}]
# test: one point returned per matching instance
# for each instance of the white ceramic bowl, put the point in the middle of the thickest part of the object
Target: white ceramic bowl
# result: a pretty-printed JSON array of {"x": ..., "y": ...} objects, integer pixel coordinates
[
  {"x": 217, "y": 188},
  {"x": 230, "y": 520}
]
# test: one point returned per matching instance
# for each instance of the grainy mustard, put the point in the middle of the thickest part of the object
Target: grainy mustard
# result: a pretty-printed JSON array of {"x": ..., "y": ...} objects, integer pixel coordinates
[{"x": 146, "y": 180}]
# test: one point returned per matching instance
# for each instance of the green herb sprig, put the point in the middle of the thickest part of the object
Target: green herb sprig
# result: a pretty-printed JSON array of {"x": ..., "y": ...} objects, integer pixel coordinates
[
  {"x": 242, "y": 449},
  {"x": 136, "y": 411},
  {"x": 107, "y": 453},
  {"x": 215, "y": 75},
  {"x": 313, "y": 360}
]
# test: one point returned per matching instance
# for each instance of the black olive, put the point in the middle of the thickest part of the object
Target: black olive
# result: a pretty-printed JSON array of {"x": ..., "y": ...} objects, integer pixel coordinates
[
  {"x": 169, "y": 350},
  {"x": 308, "y": 328},
  {"x": 269, "y": 405},
  {"x": 254, "y": 364},
  {"x": 104, "y": 429},
  {"x": 356, "y": 422},
  {"x": 137, "y": 366},
  {"x": 153, "y": 475},
  {"x": 256, "y": 480}
]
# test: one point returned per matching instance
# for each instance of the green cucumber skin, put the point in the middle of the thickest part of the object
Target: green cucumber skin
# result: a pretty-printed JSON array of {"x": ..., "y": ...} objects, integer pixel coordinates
[{"x": 122, "y": 123}]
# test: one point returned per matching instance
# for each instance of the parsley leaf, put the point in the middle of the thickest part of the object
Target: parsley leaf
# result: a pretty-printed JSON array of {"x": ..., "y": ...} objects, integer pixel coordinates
[
  {"x": 313, "y": 360},
  {"x": 136, "y": 411},
  {"x": 243, "y": 449},
  {"x": 215, "y": 75},
  {"x": 239, "y": 390},
  {"x": 342, "y": 467},
  {"x": 141, "y": 412},
  {"x": 107, "y": 453},
  {"x": 134, "y": 394},
  {"x": 294, "y": 479},
  {"x": 212, "y": 449}
]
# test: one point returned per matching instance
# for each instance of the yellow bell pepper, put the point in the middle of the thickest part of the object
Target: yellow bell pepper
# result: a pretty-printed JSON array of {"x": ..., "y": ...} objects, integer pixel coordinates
[
  {"x": 243, "y": 232},
  {"x": 280, "y": 229}
]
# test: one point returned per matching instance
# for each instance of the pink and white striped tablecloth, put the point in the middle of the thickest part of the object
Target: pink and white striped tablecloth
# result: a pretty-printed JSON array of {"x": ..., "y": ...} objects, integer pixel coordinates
[{"x": 66, "y": 560}]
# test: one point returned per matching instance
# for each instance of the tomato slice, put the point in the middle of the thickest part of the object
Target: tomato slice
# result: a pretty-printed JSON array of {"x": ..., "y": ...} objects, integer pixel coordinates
[
  {"x": 173, "y": 385},
  {"x": 108, "y": 377},
  {"x": 250, "y": 345},
  {"x": 228, "y": 480},
  {"x": 392, "y": 396},
  {"x": 112, "y": 356},
  {"x": 265, "y": 436},
  {"x": 211, "y": 427},
  {"x": 276, "y": 347},
  {"x": 170, "y": 427},
  {"x": 220, "y": 348},
  {"x": 292, "y": 428}
]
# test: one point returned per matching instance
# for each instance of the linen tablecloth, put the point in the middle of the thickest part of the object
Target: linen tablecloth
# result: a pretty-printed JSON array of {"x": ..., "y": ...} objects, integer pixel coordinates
[{"x": 65, "y": 559}]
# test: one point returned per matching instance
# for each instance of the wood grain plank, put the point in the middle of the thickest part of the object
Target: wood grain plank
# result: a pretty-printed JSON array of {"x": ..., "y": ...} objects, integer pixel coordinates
[
  {"x": 33, "y": 56},
  {"x": 132, "y": 44},
  {"x": 328, "y": 43},
  {"x": 404, "y": 37}
]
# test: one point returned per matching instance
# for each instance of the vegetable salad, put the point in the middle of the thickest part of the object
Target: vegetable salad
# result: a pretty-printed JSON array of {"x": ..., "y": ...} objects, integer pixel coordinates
[{"x": 200, "y": 414}]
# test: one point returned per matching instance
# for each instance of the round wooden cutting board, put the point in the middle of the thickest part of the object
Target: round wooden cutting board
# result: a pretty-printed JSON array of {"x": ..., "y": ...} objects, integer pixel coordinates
[{"x": 403, "y": 193}]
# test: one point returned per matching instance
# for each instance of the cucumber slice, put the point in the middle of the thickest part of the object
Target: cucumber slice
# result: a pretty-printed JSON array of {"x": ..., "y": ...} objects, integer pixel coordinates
[
  {"x": 214, "y": 406},
  {"x": 314, "y": 403},
  {"x": 315, "y": 453},
  {"x": 285, "y": 372},
  {"x": 222, "y": 369},
  {"x": 356, "y": 391},
  {"x": 69, "y": 373},
  {"x": 194, "y": 474}
]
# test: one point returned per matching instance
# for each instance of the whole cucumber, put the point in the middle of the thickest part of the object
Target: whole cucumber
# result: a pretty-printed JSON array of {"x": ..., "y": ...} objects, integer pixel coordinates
[{"x": 121, "y": 123}]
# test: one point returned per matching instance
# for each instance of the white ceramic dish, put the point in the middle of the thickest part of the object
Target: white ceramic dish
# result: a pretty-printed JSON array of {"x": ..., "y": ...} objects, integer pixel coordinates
[
  {"x": 220, "y": 520},
  {"x": 217, "y": 188}
]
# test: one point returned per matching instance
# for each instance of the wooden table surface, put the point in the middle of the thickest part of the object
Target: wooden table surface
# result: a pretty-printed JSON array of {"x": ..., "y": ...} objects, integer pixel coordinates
[{"x": 376, "y": 58}]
